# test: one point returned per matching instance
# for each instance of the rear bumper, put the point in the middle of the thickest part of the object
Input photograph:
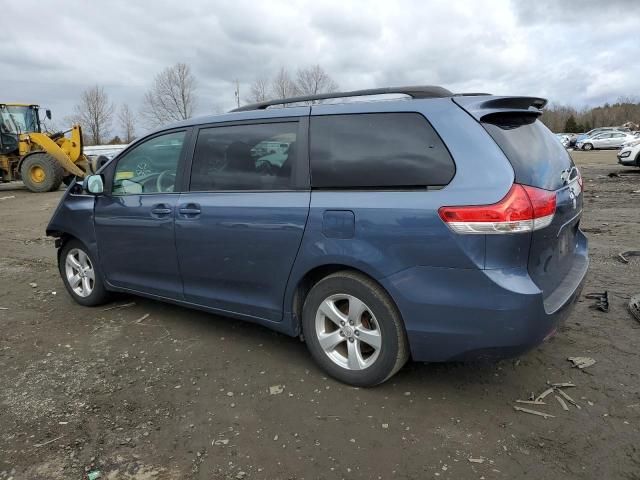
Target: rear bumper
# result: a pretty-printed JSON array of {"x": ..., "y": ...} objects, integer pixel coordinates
[{"x": 456, "y": 314}]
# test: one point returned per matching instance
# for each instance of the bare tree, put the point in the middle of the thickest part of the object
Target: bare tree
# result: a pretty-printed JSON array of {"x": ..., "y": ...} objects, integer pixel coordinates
[
  {"x": 314, "y": 80},
  {"x": 282, "y": 86},
  {"x": 94, "y": 113},
  {"x": 127, "y": 121},
  {"x": 171, "y": 97},
  {"x": 258, "y": 92}
]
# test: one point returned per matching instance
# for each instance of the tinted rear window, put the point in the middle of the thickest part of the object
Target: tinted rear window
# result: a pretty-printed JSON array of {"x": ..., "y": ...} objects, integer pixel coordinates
[
  {"x": 377, "y": 150},
  {"x": 537, "y": 156}
]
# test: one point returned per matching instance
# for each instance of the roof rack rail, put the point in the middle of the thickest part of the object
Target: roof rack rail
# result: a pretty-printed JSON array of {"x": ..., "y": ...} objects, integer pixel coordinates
[{"x": 425, "y": 91}]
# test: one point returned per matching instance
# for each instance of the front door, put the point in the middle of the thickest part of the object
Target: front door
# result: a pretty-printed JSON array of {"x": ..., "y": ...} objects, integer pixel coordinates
[
  {"x": 239, "y": 227},
  {"x": 134, "y": 222}
]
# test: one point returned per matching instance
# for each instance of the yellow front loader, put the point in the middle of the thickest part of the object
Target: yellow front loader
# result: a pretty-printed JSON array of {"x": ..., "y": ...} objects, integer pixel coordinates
[{"x": 40, "y": 159}]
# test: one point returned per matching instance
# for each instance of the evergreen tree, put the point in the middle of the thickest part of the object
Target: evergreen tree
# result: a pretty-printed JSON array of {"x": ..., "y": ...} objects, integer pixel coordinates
[{"x": 570, "y": 125}]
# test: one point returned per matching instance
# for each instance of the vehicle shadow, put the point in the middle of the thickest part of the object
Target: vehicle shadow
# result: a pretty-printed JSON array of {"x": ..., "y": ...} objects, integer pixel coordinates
[{"x": 203, "y": 332}]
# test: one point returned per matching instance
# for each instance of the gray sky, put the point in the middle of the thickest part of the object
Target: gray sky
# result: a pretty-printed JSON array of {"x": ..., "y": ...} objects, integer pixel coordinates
[{"x": 574, "y": 52}]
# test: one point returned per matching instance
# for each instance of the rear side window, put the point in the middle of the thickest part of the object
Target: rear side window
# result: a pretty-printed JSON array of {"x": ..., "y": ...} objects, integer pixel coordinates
[
  {"x": 377, "y": 150},
  {"x": 245, "y": 157},
  {"x": 538, "y": 159}
]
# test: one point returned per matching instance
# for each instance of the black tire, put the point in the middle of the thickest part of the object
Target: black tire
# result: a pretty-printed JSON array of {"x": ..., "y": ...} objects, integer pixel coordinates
[
  {"x": 99, "y": 295},
  {"x": 40, "y": 172},
  {"x": 394, "y": 350},
  {"x": 587, "y": 146}
]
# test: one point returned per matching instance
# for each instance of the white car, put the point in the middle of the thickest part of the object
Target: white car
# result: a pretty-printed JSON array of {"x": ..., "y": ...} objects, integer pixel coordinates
[
  {"x": 604, "y": 140},
  {"x": 629, "y": 154}
]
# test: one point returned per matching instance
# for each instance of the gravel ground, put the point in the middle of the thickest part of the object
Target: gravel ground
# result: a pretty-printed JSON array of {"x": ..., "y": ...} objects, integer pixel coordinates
[{"x": 187, "y": 395}]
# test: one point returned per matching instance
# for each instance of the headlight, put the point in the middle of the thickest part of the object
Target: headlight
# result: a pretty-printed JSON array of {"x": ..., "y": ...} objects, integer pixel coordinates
[{"x": 625, "y": 154}]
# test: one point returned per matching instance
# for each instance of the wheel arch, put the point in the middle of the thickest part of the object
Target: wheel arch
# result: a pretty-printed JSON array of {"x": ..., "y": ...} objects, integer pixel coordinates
[
  {"x": 312, "y": 276},
  {"x": 30, "y": 154}
]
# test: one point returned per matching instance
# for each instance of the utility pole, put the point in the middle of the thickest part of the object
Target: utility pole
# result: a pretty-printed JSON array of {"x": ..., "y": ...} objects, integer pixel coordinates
[{"x": 237, "y": 93}]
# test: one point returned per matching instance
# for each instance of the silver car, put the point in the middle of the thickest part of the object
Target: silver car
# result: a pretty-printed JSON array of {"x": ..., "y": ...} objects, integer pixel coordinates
[
  {"x": 629, "y": 154},
  {"x": 604, "y": 140}
]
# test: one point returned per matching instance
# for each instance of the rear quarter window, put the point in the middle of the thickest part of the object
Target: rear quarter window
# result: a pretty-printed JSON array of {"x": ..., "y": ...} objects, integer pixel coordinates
[
  {"x": 377, "y": 150},
  {"x": 537, "y": 157}
]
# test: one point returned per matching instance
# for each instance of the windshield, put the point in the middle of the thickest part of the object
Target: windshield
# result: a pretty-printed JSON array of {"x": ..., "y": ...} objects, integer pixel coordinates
[{"x": 16, "y": 119}]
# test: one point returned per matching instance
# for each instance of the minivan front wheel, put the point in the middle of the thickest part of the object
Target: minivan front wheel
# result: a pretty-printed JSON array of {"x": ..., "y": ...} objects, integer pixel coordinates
[
  {"x": 353, "y": 329},
  {"x": 81, "y": 275},
  {"x": 587, "y": 146}
]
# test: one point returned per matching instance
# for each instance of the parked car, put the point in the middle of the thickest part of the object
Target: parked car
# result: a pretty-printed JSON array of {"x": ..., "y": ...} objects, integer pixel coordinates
[
  {"x": 564, "y": 139},
  {"x": 596, "y": 131},
  {"x": 436, "y": 226},
  {"x": 605, "y": 140},
  {"x": 629, "y": 154}
]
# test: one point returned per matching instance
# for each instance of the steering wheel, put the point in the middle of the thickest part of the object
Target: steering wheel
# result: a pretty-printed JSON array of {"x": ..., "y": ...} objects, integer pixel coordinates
[
  {"x": 142, "y": 166},
  {"x": 165, "y": 174},
  {"x": 265, "y": 168}
]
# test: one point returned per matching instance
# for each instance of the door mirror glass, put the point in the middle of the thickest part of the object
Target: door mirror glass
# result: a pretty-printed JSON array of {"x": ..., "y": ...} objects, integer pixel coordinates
[
  {"x": 47, "y": 112},
  {"x": 94, "y": 184}
]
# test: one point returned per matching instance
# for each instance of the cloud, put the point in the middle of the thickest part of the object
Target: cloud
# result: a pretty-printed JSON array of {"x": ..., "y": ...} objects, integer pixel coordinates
[{"x": 579, "y": 53}]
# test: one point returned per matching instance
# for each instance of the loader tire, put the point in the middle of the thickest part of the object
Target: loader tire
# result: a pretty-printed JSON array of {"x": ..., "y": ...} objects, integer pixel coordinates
[{"x": 41, "y": 173}]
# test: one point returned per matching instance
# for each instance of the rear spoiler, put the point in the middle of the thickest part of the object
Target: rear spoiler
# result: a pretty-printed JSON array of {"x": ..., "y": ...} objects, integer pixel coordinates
[{"x": 481, "y": 106}]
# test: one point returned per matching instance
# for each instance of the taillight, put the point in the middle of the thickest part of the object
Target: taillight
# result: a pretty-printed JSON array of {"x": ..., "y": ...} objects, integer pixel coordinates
[{"x": 523, "y": 209}]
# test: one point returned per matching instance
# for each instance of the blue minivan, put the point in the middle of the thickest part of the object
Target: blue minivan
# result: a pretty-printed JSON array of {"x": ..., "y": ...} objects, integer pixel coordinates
[{"x": 377, "y": 225}]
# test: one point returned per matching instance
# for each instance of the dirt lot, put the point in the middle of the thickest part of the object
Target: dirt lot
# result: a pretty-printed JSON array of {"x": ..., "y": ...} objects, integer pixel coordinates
[{"x": 186, "y": 395}]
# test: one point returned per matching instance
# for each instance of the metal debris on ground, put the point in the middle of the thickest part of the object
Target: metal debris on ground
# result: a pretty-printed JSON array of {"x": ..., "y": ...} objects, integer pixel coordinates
[
  {"x": 634, "y": 306},
  {"x": 476, "y": 460},
  {"x": 562, "y": 384},
  {"x": 569, "y": 399},
  {"x": 533, "y": 412},
  {"x": 544, "y": 394},
  {"x": 38, "y": 445},
  {"x": 562, "y": 403},
  {"x": 142, "y": 318},
  {"x": 7, "y": 198},
  {"x": 117, "y": 307},
  {"x": 537, "y": 400},
  {"x": 581, "y": 362},
  {"x": 531, "y": 402},
  {"x": 623, "y": 256},
  {"x": 276, "y": 389},
  {"x": 602, "y": 300}
]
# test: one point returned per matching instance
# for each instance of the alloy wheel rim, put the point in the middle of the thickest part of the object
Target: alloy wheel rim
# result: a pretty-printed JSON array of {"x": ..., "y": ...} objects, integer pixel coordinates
[
  {"x": 80, "y": 273},
  {"x": 348, "y": 332}
]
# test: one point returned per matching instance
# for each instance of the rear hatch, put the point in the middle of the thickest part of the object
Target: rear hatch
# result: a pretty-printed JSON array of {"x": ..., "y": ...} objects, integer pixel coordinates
[{"x": 539, "y": 160}]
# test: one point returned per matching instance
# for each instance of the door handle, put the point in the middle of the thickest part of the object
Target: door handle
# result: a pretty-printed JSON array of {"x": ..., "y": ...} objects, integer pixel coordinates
[
  {"x": 190, "y": 210},
  {"x": 160, "y": 210}
]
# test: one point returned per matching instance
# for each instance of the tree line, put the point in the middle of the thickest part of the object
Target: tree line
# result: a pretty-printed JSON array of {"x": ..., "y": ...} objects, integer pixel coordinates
[
  {"x": 172, "y": 97},
  {"x": 567, "y": 119}
]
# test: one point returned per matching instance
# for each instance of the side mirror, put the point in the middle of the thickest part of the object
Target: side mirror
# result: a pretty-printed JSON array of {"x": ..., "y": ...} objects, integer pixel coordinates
[
  {"x": 94, "y": 184},
  {"x": 47, "y": 112}
]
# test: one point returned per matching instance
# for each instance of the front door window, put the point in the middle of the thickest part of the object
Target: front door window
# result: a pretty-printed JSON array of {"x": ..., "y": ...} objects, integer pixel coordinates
[{"x": 151, "y": 167}]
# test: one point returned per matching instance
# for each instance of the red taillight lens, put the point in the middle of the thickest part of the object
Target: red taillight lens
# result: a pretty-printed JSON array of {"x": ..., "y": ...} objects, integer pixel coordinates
[{"x": 523, "y": 209}]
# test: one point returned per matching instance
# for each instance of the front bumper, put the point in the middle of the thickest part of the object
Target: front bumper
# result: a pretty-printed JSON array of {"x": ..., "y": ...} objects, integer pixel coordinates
[
  {"x": 458, "y": 314},
  {"x": 627, "y": 160}
]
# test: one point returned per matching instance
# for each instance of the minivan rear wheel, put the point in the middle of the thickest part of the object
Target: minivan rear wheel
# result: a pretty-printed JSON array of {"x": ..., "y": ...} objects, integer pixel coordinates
[
  {"x": 81, "y": 274},
  {"x": 353, "y": 330}
]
